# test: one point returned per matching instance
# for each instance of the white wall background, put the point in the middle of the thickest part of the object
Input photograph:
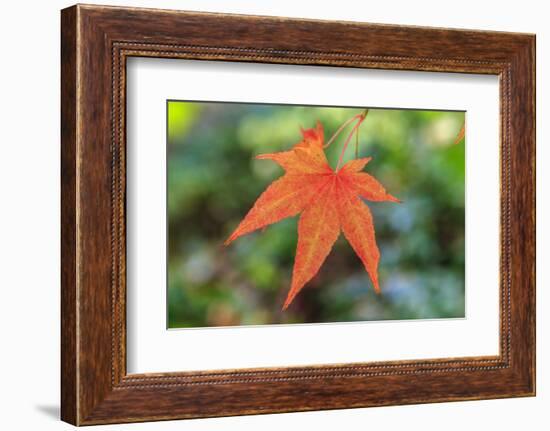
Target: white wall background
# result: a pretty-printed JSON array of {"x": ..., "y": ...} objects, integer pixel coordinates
[{"x": 29, "y": 215}]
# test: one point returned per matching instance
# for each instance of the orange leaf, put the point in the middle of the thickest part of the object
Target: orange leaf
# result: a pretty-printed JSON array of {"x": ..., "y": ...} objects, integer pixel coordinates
[
  {"x": 306, "y": 157},
  {"x": 284, "y": 198},
  {"x": 318, "y": 230},
  {"x": 367, "y": 186},
  {"x": 355, "y": 165},
  {"x": 329, "y": 202},
  {"x": 461, "y": 134},
  {"x": 358, "y": 227}
]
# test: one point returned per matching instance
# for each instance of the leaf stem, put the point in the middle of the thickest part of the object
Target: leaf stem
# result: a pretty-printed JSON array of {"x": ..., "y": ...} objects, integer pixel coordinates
[
  {"x": 357, "y": 144},
  {"x": 360, "y": 117},
  {"x": 342, "y": 127}
]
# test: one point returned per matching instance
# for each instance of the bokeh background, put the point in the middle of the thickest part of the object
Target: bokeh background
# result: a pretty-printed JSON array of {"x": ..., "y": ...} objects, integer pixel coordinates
[{"x": 214, "y": 179}]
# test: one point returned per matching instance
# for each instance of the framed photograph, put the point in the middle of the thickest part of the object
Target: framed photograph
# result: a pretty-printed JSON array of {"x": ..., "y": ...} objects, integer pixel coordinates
[{"x": 264, "y": 215}]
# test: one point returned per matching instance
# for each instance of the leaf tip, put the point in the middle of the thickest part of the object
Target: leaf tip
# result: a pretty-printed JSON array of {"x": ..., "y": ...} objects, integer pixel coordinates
[
  {"x": 231, "y": 238},
  {"x": 290, "y": 298},
  {"x": 375, "y": 284},
  {"x": 461, "y": 135}
]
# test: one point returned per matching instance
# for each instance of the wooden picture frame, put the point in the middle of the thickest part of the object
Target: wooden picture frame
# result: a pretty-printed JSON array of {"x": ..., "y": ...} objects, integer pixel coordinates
[{"x": 96, "y": 41}]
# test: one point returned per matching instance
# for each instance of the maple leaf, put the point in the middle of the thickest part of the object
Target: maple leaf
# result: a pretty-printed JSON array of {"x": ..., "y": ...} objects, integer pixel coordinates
[
  {"x": 461, "y": 134},
  {"x": 329, "y": 202}
]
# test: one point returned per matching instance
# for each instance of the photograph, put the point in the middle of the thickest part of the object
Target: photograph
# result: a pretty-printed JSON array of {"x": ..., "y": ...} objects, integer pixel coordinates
[
  {"x": 292, "y": 214},
  {"x": 274, "y": 210}
]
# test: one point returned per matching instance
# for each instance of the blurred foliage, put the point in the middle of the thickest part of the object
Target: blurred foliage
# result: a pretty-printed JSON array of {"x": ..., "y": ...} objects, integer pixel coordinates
[{"x": 213, "y": 180}]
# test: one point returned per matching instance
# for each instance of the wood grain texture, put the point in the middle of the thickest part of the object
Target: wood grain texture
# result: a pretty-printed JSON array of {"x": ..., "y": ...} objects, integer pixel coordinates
[
  {"x": 96, "y": 41},
  {"x": 69, "y": 397}
]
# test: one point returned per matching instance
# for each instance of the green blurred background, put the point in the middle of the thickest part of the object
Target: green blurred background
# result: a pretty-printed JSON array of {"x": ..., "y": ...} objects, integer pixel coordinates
[{"x": 213, "y": 180}]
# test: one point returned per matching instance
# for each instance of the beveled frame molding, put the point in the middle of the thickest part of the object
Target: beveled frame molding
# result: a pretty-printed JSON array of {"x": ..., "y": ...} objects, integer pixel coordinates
[{"x": 96, "y": 41}]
